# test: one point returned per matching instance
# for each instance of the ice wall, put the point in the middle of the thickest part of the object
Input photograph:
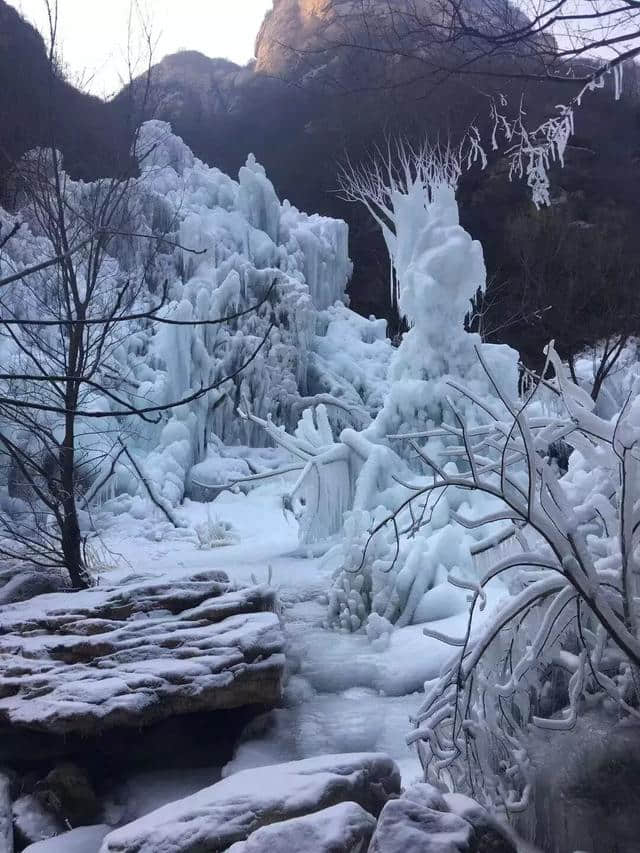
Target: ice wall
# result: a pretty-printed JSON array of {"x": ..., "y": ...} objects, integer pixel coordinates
[{"x": 225, "y": 247}]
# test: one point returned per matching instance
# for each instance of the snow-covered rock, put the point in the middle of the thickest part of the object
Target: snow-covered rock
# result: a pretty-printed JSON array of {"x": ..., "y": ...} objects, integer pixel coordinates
[
  {"x": 137, "y": 653},
  {"x": 235, "y": 808},
  {"x": 32, "y": 822},
  {"x": 84, "y": 839},
  {"x": 425, "y": 821},
  {"x": 409, "y": 827},
  {"x": 344, "y": 828},
  {"x": 25, "y": 583}
]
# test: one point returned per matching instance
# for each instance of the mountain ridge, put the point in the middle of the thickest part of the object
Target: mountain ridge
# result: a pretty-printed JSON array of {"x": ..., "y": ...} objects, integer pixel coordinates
[{"x": 302, "y": 122}]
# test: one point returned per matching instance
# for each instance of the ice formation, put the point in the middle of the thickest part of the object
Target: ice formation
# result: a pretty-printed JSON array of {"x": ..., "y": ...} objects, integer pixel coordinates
[
  {"x": 439, "y": 268},
  {"x": 252, "y": 250},
  {"x": 360, "y": 478}
]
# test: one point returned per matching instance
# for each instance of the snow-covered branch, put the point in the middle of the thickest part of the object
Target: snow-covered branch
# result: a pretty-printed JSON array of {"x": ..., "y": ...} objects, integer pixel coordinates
[{"x": 574, "y": 594}]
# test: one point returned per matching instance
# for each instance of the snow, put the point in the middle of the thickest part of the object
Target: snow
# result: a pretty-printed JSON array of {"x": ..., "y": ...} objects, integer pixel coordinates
[
  {"x": 84, "y": 839},
  {"x": 229, "y": 811},
  {"x": 338, "y": 829},
  {"x": 345, "y": 693}
]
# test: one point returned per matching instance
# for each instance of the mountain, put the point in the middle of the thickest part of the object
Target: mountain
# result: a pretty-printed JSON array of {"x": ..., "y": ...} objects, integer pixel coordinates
[
  {"x": 315, "y": 94},
  {"x": 313, "y": 41},
  {"x": 38, "y": 104}
]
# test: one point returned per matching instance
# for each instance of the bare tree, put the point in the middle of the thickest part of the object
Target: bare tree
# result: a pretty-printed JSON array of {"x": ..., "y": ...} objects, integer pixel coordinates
[{"x": 64, "y": 318}]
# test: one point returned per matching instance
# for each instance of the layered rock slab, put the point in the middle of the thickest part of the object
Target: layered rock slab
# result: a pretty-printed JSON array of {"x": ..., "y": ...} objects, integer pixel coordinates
[
  {"x": 425, "y": 821},
  {"x": 344, "y": 828},
  {"x": 86, "y": 662},
  {"x": 235, "y": 809}
]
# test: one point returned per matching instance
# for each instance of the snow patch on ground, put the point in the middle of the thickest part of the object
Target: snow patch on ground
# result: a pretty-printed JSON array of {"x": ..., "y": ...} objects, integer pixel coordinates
[{"x": 343, "y": 695}]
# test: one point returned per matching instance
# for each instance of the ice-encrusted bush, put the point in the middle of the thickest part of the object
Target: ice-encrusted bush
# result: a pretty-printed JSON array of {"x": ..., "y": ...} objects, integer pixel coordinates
[
  {"x": 215, "y": 532},
  {"x": 573, "y": 575},
  {"x": 362, "y": 575}
]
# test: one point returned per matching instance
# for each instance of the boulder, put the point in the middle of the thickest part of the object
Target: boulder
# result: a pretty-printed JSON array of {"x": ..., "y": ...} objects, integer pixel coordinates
[
  {"x": 6, "y": 815},
  {"x": 339, "y": 829},
  {"x": 406, "y": 826},
  {"x": 85, "y": 839},
  {"x": 68, "y": 793},
  {"x": 33, "y": 822},
  {"x": 427, "y": 795},
  {"x": 426, "y": 820},
  {"x": 489, "y": 836},
  {"x": 81, "y": 663},
  {"x": 235, "y": 808},
  {"x": 24, "y": 585}
]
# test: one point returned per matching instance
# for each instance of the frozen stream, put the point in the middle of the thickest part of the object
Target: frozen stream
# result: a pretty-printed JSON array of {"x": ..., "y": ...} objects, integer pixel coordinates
[{"x": 342, "y": 695}]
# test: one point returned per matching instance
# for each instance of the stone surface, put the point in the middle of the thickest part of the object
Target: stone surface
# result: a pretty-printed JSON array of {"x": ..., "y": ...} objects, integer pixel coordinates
[
  {"x": 233, "y": 809},
  {"x": 68, "y": 793},
  {"x": 85, "y": 662},
  {"x": 344, "y": 828},
  {"x": 6, "y": 815},
  {"x": 85, "y": 839},
  {"x": 586, "y": 795},
  {"x": 406, "y": 826},
  {"x": 32, "y": 822}
]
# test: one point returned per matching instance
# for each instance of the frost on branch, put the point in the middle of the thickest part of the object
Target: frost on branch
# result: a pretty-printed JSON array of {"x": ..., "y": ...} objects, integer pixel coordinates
[
  {"x": 567, "y": 636},
  {"x": 532, "y": 151}
]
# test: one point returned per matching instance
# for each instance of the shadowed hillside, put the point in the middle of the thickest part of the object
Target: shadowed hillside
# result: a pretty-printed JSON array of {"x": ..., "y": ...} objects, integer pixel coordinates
[{"x": 314, "y": 95}]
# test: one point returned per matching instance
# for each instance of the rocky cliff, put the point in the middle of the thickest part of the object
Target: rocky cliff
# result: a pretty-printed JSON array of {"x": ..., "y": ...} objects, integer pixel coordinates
[{"x": 317, "y": 92}]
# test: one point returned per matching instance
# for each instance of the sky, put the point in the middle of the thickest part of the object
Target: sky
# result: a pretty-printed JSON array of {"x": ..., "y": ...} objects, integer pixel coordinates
[{"x": 92, "y": 34}]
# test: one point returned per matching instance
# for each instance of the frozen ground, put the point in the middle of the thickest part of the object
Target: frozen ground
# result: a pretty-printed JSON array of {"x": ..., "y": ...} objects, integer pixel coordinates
[{"x": 342, "y": 696}]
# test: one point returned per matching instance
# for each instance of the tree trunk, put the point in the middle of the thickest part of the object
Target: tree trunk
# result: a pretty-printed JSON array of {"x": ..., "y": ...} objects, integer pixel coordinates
[
  {"x": 70, "y": 532},
  {"x": 72, "y": 546}
]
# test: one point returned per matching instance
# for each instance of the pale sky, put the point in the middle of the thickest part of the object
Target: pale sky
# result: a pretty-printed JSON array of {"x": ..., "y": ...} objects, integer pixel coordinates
[{"x": 92, "y": 34}]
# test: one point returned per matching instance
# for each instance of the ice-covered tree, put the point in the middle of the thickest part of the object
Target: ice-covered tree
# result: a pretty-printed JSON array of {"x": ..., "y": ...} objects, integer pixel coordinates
[
  {"x": 567, "y": 636},
  {"x": 436, "y": 270}
]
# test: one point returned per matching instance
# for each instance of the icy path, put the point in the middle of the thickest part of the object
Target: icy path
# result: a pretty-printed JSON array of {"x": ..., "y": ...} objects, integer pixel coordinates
[{"x": 342, "y": 695}]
